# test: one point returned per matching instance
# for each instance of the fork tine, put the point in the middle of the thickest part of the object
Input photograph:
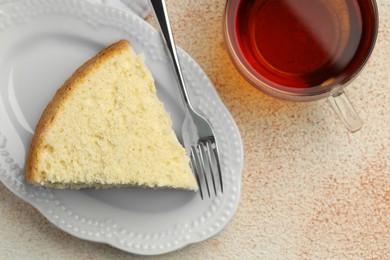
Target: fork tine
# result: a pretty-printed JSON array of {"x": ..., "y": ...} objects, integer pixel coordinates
[
  {"x": 201, "y": 150},
  {"x": 208, "y": 146},
  {"x": 215, "y": 150},
  {"x": 194, "y": 167},
  {"x": 198, "y": 125}
]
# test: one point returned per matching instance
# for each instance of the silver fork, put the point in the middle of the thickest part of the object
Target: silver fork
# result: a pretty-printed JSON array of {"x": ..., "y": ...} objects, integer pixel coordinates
[{"x": 198, "y": 135}]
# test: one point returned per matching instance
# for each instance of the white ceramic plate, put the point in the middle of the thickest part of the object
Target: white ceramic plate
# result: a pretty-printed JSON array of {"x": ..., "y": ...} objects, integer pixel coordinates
[{"x": 42, "y": 42}]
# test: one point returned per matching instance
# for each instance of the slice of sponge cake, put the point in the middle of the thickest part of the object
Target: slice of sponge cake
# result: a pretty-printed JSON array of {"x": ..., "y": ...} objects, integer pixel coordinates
[{"x": 105, "y": 127}]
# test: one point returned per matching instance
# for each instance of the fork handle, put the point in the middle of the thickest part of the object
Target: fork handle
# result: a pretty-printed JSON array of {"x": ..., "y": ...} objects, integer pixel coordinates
[{"x": 161, "y": 15}]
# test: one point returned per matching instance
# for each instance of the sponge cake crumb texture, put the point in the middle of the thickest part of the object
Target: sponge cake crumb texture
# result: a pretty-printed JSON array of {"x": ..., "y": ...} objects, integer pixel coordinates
[{"x": 106, "y": 127}]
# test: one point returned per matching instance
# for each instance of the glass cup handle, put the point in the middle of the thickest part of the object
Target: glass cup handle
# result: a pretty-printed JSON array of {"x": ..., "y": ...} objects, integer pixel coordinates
[{"x": 345, "y": 111}]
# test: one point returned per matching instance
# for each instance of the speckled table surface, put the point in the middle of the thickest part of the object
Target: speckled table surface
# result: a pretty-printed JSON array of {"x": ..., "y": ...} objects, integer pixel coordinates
[{"x": 310, "y": 189}]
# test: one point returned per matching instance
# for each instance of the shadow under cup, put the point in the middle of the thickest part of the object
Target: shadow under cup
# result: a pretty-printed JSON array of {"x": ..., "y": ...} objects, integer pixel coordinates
[{"x": 302, "y": 50}]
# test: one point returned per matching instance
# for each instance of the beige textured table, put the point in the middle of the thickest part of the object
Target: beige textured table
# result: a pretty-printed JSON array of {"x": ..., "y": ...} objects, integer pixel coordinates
[{"x": 310, "y": 189}]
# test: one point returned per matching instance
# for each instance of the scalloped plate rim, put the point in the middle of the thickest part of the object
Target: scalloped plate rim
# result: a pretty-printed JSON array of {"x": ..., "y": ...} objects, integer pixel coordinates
[{"x": 41, "y": 208}]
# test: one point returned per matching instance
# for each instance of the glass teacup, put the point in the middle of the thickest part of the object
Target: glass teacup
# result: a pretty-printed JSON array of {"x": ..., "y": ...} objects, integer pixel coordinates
[{"x": 302, "y": 50}]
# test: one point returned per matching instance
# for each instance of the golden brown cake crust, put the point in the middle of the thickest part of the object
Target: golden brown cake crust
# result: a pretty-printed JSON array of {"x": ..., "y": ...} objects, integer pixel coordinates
[{"x": 61, "y": 95}]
